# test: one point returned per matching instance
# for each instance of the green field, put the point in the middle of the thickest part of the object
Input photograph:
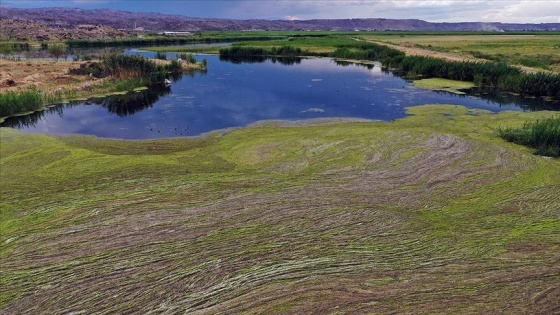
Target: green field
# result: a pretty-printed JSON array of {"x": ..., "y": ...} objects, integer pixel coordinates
[
  {"x": 531, "y": 50},
  {"x": 430, "y": 214}
]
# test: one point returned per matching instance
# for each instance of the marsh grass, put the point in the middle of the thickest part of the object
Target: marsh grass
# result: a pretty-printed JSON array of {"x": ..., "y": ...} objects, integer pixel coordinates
[
  {"x": 12, "y": 102},
  {"x": 186, "y": 57},
  {"x": 543, "y": 135}
]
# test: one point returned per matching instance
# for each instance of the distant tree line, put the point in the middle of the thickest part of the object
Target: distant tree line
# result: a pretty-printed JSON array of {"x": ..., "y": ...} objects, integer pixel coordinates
[{"x": 156, "y": 41}]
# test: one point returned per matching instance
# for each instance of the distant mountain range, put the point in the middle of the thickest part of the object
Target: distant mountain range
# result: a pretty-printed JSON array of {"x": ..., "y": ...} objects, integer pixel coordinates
[{"x": 71, "y": 18}]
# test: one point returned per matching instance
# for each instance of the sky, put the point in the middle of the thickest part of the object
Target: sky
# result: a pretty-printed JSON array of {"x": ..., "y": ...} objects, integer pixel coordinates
[{"x": 507, "y": 11}]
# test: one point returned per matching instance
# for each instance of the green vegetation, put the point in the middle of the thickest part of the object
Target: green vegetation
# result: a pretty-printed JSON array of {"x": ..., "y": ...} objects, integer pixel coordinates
[
  {"x": 20, "y": 102},
  {"x": 5, "y": 49},
  {"x": 543, "y": 135},
  {"x": 57, "y": 50},
  {"x": 502, "y": 76},
  {"x": 186, "y": 49},
  {"x": 123, "y": 66},
  {"x": 444, "y": 85},
  {"x": 418, "y": 215},
  {"x": 533, "y": 49},
  {"x": 161, "y": 56},
  {"x": 236, "y": 52},
  {"x": 154, "y": 41},
  {"x": 187, "y": 57}
]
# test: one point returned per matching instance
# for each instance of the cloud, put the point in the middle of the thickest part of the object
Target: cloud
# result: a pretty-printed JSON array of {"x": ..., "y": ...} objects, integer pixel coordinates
[
  {"x": 518, "y": 11},
  {"x": 515, "y": 11},
  {"x": 525, "y": 11}
]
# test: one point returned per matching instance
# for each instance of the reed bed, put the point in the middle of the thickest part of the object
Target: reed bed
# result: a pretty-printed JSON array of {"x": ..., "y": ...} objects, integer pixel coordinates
[
  {"x": 12, "y": 102},
  {"x": 543, "y": 135}
]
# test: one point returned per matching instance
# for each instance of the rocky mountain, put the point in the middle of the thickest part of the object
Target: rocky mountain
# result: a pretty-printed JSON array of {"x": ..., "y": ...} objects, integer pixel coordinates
[
  {"x": 71, "y": 18},
  {"x": 25, "y": 30}
]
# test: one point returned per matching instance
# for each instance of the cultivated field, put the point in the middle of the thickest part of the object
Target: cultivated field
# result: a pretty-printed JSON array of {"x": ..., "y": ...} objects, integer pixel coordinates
[{"x": 431, "y": 214}]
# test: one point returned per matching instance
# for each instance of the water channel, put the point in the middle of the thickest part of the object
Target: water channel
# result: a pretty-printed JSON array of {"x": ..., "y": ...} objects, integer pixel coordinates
[{"x": 236, "y": 94}]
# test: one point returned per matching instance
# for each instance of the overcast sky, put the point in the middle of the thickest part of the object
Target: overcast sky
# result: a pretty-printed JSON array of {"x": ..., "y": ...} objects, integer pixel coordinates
[{"x": 516, "y": 11}]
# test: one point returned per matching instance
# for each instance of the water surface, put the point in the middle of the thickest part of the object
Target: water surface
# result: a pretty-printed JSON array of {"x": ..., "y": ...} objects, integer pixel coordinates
[{"x": 238, "y": 94}]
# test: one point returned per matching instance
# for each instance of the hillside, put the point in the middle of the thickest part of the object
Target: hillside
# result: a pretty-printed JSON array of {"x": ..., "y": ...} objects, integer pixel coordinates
[
  {"x": 70, "y": 18},
  {"x": 26, "y": 30}
]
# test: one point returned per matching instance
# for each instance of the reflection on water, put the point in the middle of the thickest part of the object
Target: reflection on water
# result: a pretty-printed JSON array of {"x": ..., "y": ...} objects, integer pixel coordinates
[
  {"x": 32, "y": 119},
  {"x": 132, "y": 102},
  {"x": 505, "y": 99},
  {"x": 287, "y": 61},
  {"x": 120, "y": 105},
  {"x": 234, "y": 94}
]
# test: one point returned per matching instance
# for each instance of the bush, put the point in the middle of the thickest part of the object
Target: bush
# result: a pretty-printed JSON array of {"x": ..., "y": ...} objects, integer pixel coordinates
[{"x": 57, "y": 50}]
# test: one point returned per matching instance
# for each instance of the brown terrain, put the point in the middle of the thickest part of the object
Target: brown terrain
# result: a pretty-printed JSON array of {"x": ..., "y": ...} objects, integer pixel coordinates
[
  {"x": 46, "y": 75},
  {"x": 24, "y": 30},
  {"x": 68, "y": 18}
]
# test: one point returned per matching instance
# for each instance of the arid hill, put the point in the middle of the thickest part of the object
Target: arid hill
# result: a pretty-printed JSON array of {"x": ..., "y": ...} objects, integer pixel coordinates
[
  {"x": 71, "y": 18},
  {"x": 25, "y": 30}
]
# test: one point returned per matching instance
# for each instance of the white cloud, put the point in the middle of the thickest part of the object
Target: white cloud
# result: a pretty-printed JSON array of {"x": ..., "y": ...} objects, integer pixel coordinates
[{"x": 517, "y": 11}]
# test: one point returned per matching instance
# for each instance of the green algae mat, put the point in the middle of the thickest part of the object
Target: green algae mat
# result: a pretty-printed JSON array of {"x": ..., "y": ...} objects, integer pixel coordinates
[{"x": 430, "y": 214}]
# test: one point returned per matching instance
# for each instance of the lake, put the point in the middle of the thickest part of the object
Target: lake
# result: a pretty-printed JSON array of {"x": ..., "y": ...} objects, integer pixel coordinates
[{"x": 237, "y": 94}]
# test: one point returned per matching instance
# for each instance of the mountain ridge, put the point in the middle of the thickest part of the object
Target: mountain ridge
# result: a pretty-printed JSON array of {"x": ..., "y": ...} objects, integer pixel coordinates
[{"x": 154, "y": 21}]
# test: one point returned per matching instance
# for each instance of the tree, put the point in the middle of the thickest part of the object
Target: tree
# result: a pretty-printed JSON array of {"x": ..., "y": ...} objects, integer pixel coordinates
[{"x": 57, "y": 50}]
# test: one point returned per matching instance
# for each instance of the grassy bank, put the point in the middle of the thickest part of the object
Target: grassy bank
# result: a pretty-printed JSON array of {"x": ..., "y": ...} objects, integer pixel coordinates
[{"x": 430, "y": 214}]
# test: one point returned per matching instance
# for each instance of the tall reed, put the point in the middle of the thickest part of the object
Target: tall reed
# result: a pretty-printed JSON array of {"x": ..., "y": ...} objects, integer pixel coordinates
[
  {"x": 21, "y": 101},
  {"x": 543, "y": 135}
]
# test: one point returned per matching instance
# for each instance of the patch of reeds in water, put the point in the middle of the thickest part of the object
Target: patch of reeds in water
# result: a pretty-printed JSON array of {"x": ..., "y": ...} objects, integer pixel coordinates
[
  {"x": 543, "y": 135},
  {"x": 12, "y": 102}
]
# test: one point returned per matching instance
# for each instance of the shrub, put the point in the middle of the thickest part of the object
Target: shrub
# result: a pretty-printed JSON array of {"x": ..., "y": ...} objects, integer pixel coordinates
[{"x": 57, "y": 49}]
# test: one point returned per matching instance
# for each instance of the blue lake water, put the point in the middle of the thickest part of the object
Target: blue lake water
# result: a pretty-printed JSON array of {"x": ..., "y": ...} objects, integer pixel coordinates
[{"x": 238, "y": 94}]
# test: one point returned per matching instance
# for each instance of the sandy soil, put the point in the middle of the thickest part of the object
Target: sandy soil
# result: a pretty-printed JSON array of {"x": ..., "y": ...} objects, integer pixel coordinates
[{"x": 43, "y": 74}]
